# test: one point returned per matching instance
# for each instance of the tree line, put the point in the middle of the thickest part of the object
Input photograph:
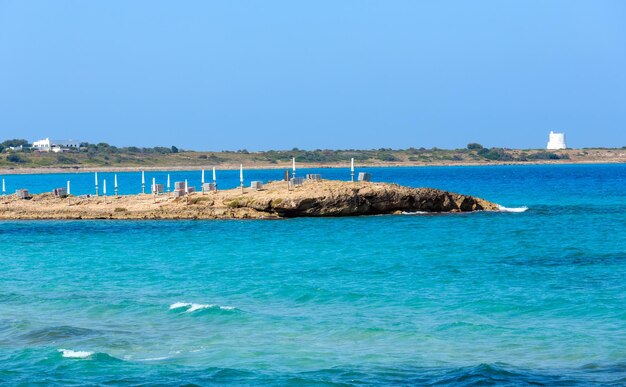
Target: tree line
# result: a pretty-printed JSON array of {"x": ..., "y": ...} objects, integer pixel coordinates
[{"x": 101, "y": 147}]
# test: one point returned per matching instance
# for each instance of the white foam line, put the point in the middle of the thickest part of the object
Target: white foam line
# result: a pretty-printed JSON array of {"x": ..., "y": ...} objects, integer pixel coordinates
[
  {"x": 195, "y": 307},
  {"x": 178, "y": 305},
  {"x": 192, "y": 307},
  {"x": 75, "y": 354},
  {"x": 512, "y": 209}
]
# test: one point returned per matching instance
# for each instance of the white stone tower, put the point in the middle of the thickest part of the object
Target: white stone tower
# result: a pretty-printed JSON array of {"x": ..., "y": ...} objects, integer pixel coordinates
[{"x": 557, "y": 141}]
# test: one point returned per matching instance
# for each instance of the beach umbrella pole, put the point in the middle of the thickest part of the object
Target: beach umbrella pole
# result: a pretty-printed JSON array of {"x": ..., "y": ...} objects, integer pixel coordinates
[
  {"x": 202, "y": 182},
  {"x": 154, "y": 190},
  {"x": 186, "y": 191},
  {"x": 241, "y": 177},
  {"x": 352, "y": 169},
  {"x": 214, "y": 181}
]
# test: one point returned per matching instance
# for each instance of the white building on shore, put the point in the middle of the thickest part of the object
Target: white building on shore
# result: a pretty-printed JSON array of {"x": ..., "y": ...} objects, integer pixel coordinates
[
  {"x": 47, "y": 145},
  {"x": 557, "y": 141}
]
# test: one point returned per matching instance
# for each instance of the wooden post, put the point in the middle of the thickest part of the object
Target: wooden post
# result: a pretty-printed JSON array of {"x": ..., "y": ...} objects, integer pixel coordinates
[{"x": 287, "y": 180}]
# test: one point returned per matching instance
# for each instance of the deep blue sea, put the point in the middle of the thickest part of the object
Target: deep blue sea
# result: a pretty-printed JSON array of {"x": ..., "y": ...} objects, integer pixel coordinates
[{"x": 535, "y": 297}]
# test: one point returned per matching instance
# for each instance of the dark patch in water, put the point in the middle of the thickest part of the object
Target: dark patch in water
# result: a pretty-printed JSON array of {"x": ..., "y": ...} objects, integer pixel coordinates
[
  {"x": 55, "y": 333},
  {"x": 116, "y": 372},
  {"x": 577, "y": 259},
  {"x": 10, "y": 297},
  {"x": 482, "y": 374}
]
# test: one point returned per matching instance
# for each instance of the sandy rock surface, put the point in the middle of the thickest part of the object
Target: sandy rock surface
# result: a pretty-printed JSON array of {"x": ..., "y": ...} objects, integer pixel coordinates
[{"x": 312, "y": 199}]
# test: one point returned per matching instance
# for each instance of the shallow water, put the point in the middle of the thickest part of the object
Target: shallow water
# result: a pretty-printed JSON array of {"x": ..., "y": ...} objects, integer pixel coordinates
[{"x": 503, "y": 298}]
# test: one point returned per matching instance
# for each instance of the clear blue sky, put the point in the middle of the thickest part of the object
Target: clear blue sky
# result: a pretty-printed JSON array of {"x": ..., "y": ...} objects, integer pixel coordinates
[{"x": 213, "y": 75}]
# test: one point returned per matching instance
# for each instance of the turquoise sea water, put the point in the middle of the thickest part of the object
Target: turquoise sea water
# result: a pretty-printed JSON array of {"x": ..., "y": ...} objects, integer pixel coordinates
[{"x": 537, "y": 297}]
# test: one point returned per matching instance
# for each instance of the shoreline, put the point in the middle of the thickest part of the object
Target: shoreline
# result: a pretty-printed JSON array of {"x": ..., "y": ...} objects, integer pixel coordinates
[{"x": 301, "y": 165}]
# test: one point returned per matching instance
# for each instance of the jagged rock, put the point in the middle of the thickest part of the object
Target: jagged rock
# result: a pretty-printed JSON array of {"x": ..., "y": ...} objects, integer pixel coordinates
[{"x": 348, "y": 199}]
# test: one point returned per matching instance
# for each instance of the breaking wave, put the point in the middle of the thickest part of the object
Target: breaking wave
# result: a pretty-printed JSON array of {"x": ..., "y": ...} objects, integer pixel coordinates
[
  {"x": 192, "y": 307},
  {"x": 512, "y": 209},
  {"x": 71, "y": 354},
  {"x": 178, "y": 305}
]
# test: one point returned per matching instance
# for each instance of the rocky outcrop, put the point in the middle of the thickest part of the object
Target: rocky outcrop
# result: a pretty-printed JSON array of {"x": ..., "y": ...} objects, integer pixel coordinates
[
  {"x": 345, "y": 199},
  {"x": 313, "y": 199}
]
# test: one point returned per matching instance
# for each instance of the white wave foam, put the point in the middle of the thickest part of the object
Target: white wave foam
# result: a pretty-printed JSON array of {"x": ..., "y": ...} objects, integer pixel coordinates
[
  {"x": 191, "y": 307},
  {"x": 195, "y": 307},
  {"x": 178, "y": 305},
  {"x": 415, "y": 213},
  {"x": 512, "y": 209},
  {"x": 75, "y": 354}
]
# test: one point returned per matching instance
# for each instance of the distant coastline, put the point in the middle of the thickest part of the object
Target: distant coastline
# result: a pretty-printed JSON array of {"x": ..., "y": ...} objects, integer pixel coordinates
[
  {"x": 256, "y": 166},
  {"x": 35, "y": 163}
]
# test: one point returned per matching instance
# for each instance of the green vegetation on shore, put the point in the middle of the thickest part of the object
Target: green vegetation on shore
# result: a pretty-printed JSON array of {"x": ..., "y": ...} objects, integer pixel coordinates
[{"x": 103, "y": 155}]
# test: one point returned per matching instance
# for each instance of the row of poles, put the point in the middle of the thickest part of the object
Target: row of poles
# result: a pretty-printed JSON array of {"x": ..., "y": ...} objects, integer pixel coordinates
[
  {"x": 143, "y": 180},
  {"x": 293, "y": 166}
]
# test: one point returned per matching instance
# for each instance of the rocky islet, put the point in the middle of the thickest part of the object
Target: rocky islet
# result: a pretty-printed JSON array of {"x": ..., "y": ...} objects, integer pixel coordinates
[{"x": 324, "y": 198}]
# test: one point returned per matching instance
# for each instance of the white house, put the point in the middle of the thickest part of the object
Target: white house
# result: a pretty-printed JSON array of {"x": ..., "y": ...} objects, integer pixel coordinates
[
  {"x": 557, "y": 141},
  {"x": 47, "y": 145}
]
